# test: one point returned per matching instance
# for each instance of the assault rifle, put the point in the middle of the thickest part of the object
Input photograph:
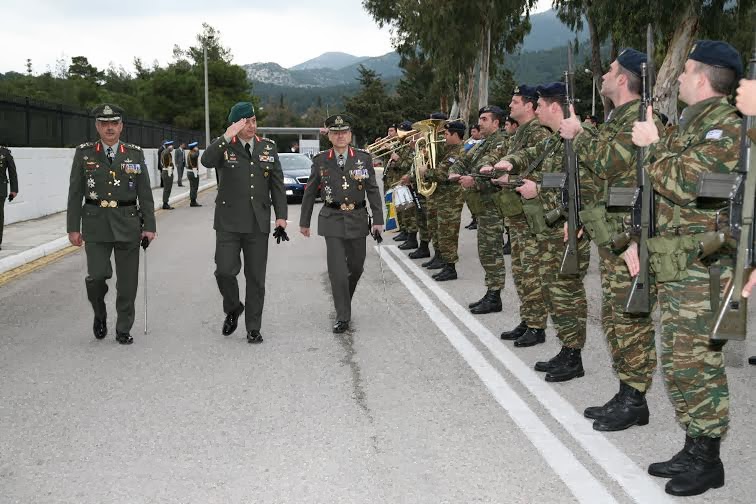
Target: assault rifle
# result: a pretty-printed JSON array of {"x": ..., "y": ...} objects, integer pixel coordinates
[
  {"x": 640, "y": 199},
  {"x": 739, "y": 230},
  {"x": 571, "y": 195}
]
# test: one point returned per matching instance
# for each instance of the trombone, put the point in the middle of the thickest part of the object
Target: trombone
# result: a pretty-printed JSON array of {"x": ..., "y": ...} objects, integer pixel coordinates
[{"x": 389, "y": 144}]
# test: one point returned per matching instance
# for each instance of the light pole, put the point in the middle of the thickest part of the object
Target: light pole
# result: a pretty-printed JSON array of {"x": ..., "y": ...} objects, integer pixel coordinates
[
  {"x": 207, "y": 101},
  {"x": 593, "y": 87}
]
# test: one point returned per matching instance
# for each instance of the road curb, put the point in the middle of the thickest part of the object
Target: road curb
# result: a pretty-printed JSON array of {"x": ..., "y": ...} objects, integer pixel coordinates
[{"x": 24, "y": 257}]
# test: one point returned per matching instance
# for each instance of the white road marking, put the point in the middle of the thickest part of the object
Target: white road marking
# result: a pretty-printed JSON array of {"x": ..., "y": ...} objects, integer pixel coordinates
[
  {"x": 583, "y": 485},
  {"x": 621, "y": 468}
]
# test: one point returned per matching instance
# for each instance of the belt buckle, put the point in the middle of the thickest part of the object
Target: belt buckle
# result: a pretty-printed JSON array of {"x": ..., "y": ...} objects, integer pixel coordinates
[
  {"x": 347, "y": 206},
  {"x": 103, "y": 204}
]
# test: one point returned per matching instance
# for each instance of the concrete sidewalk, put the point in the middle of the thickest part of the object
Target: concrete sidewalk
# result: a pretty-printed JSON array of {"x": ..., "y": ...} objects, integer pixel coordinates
[{"x": 27, "y": 241}]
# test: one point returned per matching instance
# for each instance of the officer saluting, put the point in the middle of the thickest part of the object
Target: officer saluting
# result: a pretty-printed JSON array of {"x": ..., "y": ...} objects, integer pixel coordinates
[
  {"x": 250, "y": 179},
  {"x": 347, "y": 178},
  {"x": 111, "y": 178}
]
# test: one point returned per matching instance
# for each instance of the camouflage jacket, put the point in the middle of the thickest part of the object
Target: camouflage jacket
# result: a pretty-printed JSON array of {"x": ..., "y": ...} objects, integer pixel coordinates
[
  {"x": 707, "y": 140},
  {"x": 485, "y": 153},
  {"x": 446, "y": 159}
]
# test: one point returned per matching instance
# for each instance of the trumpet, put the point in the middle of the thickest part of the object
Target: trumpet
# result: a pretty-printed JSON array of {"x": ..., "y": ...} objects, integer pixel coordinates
[{"x": 389, "y": 144}]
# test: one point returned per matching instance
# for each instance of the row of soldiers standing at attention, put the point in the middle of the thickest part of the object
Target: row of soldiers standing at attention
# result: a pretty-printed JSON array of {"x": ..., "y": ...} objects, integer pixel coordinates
[
  {"x": 501, "y": 180},
  {"x": 170, "y": 161}
]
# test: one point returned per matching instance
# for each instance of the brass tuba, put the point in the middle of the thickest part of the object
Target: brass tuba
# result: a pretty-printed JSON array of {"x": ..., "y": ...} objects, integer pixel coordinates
[{"x": 426, "y": 152}]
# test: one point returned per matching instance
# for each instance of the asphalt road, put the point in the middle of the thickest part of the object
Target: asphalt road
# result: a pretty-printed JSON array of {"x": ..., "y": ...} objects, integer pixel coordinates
[{"x": 419, "y": 403}]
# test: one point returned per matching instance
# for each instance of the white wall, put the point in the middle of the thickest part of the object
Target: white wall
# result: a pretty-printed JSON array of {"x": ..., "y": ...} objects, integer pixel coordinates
[{"x": 43, "y": 181}]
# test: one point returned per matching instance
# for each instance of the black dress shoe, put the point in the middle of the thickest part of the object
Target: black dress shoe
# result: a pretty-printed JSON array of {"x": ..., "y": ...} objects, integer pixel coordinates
[
  {"x": 167, "y": 206},
  {"x": 448, "y": 273},
  {"x": 254, "y": 336},
  {"x": 752, "y": 360},
  {"x": 124, "y": 338},
  {"x": 491, "y": 303},
  {"x": 194, "y": 204},
  {"x": 531, "y": 337},
  {"x": 232, "y": 319},
  {"x": 100, "y": 328},
  {"x": 340, "y": 326},
  {"x": 516, "y": 332}
]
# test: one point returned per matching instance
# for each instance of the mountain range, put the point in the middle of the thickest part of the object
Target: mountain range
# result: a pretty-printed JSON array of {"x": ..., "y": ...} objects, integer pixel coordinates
[{"x": 341, "y": 69}]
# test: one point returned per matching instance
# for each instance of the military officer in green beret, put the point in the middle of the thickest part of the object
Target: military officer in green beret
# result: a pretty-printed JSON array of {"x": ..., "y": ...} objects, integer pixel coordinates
[
  {"x": 111, "y": 179},
  {"x": 7, "y": 166},
  {"x": 251, "y": 180},
  {"x": 348, "y": 178}
]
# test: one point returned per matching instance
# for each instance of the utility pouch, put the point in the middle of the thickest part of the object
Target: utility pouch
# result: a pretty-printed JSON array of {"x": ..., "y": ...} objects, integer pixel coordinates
[
  {"x": 600, "y": 229},
  {"x": 670, "y": 256},
  {"x": 508, "y": 203},
  {"x": 474, "y": 202},
  {"x": 533, "y": 210}
]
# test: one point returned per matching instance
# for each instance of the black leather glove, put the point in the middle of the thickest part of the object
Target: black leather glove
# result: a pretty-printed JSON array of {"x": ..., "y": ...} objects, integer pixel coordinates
[
  {"x": 145, "y": 243},
  {"x": 280, "y": 234},
  {"x": 10, "y": 197},
  {"x": 377, "y": 236}
]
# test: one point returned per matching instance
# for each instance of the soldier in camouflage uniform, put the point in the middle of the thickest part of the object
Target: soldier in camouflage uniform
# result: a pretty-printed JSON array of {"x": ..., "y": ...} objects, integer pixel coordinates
[
  {"x": 480, "y": 198},
  {"x": 566, "y": 294},
  {"x": 689, "y": 288},
  {"x": 449, "y": 199},
  {"x": 408, "y": 217},
  {"x": 610, "y": 160},
  {"x": 534, "y": 311}
]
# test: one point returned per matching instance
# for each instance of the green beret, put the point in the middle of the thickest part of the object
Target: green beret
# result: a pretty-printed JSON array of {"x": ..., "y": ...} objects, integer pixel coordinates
[
  {"x": 108, "y": 112},
  {"x": 241, "y": 110},
  {"x": 339, "y": 122}
]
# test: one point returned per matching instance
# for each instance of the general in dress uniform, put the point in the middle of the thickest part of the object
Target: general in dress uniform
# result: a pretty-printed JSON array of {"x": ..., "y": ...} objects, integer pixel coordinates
[
  {"x": 348, "y": 185},
  {"x": 7, "y": 174}
]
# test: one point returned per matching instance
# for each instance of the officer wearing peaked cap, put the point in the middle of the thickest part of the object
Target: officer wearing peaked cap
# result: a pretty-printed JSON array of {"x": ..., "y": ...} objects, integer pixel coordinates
[
  {"x": 250, "y": 182},
  {"x": 110, "y": 178},
  {"x": 192, "y": 173},
  {"x": 348, "y": 180}
]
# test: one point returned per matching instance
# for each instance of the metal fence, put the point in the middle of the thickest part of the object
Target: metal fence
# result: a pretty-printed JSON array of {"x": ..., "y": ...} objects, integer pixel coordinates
[{"x": 29, "y": 123}]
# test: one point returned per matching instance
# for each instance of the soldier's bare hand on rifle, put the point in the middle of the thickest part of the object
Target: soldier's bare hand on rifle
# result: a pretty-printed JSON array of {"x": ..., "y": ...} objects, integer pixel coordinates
[
  {"x": 528, "y": 189},
  {"x": 501, "y": 180},
  {"x": 454, "y": 177},
  {"x": 503, "y": 165},
  {"x": 746, "y": 97},
  {"x": 570, "y": 127},
  {"x": 645, "y": 132},
  {"x": 467, "y": 181},
  {"x": 394, "y": 157},
  {"x": 486, "y": 170},
  {"x": 566, "y": 233},
  {"x": 748, "y": 287},
  {"x": 631, "y": 259},
  {"x": 405, "y": 180}
]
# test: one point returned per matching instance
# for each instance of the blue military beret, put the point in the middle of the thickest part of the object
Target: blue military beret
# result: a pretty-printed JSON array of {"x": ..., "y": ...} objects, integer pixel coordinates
[
  {"x": 493, "y": 109},
  {"x": 631, "y": 60},
  {"x": 193, "y": 145},
  {"x": 405, "y": 126},
  {"x": 717, "y": 53},
  {"x": 167, "y": 143},
  {"x": 456, "y": 127},
  {"x": 241, "y": 110},
  {"x": 439, "y": 115},
  {"x": 339, "y": 122},
  {"x": 552, "y": 90},
  {"x": 525, "y": 91}
]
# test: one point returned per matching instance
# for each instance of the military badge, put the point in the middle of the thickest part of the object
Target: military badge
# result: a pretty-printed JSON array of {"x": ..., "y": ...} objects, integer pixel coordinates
[
  {"x": 328, "y": 194},
  {"x": 117, "y": 182},
  {"x": 91, "y": 165},
  {"x": 359, "y": 187},
  {"x": 132, "y": 168},
  {"x": 266, "y": 173},
  {"x": 132, "y": 185},
  {"x": 93, "y": 195},
  {"x": 90, "y": 183},
  {"x": 359, "y": 174}
]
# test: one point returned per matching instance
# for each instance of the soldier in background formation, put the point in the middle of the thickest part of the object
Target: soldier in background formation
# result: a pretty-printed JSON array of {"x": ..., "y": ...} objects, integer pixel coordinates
[
  {"x": 192, "y": 173},
  {"x": 166, "y": 173},
  {"x": 407, "y": 218},
  {"x": 110, "y": 178},
  {"x": 180, "y": 161},
  {"x": 7, "y": 175}
]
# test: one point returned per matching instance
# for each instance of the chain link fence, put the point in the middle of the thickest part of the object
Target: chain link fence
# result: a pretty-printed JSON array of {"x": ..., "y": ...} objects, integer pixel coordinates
[{"x": 28, "y": 123}]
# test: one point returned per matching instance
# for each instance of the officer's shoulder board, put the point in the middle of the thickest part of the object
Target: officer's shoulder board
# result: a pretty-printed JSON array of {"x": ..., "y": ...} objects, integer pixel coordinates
[
  {"x": 132, "y": 146},
  {"x": 319, "y": 154},
  {"x": 86, "y": 145},
  {"x": 265, "y": 139}
]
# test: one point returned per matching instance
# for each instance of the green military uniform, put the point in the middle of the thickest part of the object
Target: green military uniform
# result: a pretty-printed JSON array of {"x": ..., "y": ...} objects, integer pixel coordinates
[
  {"x": 7, "y": 175},
  {"x": 166, "y": 174},
  {"x": 117, "y": 197},
  {"x": 450, "y": 199},
  {"x": 565, "y": 295},
  {"x": 609, "y": 161},
  {"x": 525, "y": 252},
  {"x": 192, "y": 173},
  {"x": 480, "y": 199},
  {"x": 348, "y": 185},
  {"x": 250, "y": 182}
]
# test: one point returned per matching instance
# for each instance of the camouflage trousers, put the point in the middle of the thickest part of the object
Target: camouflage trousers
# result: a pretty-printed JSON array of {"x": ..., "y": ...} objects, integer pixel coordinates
[
  {"x": 693, "y": 367},
  {"x": 450, "y": 200},
  {"x": 421, "y": 216},
  {"x": 630, "y": 336},
  {"x": 431, "y": 219},
  {"x": 490, "y": 245},
  {"x": 525, "y": 252},
  {"x": 565, "y": 294},
  {"x": 407, "y": 219}
]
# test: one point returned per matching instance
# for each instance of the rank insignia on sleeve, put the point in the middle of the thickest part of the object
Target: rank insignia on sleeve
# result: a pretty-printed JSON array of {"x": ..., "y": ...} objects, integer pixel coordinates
[{"x": 714, "y": 134}]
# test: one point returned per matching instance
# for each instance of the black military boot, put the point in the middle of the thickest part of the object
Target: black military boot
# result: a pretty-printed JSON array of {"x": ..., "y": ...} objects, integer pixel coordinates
[
  {"x": 448, "y": 273},
  {"x": 402, "y": 236},
  {"x": 631, "y": 409},
  {"x": 531, "y": 337},
  {"x": 704, "y": 472},
  {"x": 439, "y": 264},
  {"x": 508, "y": 244},
  {"x": 476, "y": 303},
  {"x": 551, "y": 364},
  {"x": 100, "y": 328},
  {"x": 516, "y": 332},
  {"x": 571, "y": 366},
  {"x": 473, "y": 224},
  {"x": 432, "y": 260},
  {"x": 422, "y": 251},
  {"x": 491, "y": 303},
  {"x": 752, "y": 360},
  {"x": 411, "y": 242},
  {"x": 678, "y": 464},
  {"x": 596, "y": 412}
]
